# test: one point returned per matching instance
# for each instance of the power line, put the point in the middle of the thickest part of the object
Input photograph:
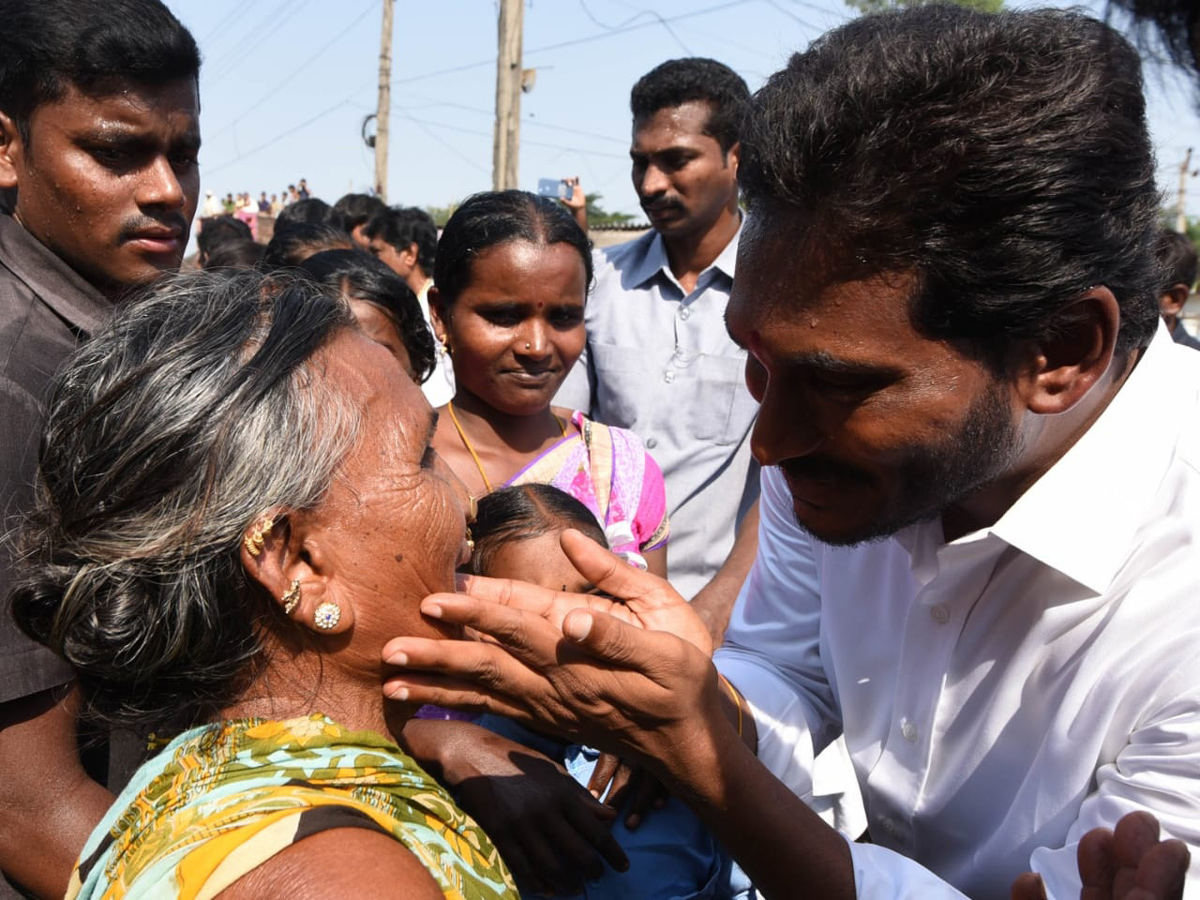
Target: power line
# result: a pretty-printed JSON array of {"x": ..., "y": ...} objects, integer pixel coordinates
[
  {"x": 287, "y": 79},
  {"x": 645, "y": 12},
  {"x": 573, "y": 42},
  {"x": 236, "y": 53},
  {"x": 238, "y": 7},
  {"x": 434, "y": 102},
  {"x": 211, "y": 170}
]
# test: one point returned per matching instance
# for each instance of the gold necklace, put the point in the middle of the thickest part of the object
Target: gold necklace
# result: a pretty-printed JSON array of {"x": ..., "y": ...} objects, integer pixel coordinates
[{"x": 475, "y": 456}]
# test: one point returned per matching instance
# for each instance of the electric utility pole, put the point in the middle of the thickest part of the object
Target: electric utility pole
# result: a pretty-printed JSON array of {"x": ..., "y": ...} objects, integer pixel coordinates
[
  {"x": 384, "y": 106},
  {"x": 507, "y": 136},
  {"x": 1180, "y": 216}
]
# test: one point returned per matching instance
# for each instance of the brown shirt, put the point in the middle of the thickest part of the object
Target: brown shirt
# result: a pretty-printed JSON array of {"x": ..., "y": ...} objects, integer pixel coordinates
[{"x": 45, "y": 310}]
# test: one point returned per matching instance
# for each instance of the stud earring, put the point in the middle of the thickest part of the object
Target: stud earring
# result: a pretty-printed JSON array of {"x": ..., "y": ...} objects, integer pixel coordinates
[
  {"x": 445, "y": 342},
  {"x": 291, "y": 599},
  {"x": 327, "y": 615},
  {"x": 254, "y": 540},
  {"x": 470, "y": 541}
]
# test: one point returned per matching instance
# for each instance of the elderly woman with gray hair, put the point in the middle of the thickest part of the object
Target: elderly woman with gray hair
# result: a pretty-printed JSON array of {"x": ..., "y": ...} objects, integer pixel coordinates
[{"x": 238, "y": 506}]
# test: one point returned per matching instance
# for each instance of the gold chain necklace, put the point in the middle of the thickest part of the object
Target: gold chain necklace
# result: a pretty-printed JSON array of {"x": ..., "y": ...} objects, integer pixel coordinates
[{"x": 475, "y": 456}]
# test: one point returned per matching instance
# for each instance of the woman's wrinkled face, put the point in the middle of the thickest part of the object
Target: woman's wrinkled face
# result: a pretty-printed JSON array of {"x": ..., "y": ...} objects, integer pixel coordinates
[
  {"x": 392, "y": 527},
  {"x": 516, "y": 329}
]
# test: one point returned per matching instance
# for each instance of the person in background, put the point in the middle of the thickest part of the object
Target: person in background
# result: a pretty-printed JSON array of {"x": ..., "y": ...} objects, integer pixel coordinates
[
  {"x": 84, "y": 221},
  {"x": 405, "y": 239},
  {"x": 276, "y": 205},
  {"x": 239, "y": 505},
  {"x": 264, "y": 205},
  {"x": 216, "y": 231},
  {"x": 354, "y": 210},
  {"x": 302, "y": 191},
  {"x": 510, "y": 284},
  {"x": 290, "y": 196},
  {"x": 385, "y": 309},
  {"x": 212, "y": 206},
  {"x": 1176, "y": 256},
  {"x": 658, "y": 360},
  {"x": 295, "y": 243},
  {"x": 312, "y": 212},
  {"x": 239, "y": 253}
]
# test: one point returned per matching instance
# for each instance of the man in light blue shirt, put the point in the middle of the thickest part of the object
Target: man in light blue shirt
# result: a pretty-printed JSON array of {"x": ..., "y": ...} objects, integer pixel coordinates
[{"x": 658, "y": 359}]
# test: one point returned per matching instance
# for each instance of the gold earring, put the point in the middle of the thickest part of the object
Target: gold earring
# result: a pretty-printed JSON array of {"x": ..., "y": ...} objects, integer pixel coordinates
[
  {"x": 327, "y": 615},
  {"x": 445, "y": 342},
  {"x": 292, "y": 598},
  {"x": 470, "y": 541},
  {"x": 254, "y": 540}
]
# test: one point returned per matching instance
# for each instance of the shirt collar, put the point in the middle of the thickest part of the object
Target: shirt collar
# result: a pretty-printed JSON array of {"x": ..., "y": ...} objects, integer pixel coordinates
[
  {"x": 58, "y": 285},
  {"x": 654, "y": 259},
  {"x": 1080, "y": 517}
]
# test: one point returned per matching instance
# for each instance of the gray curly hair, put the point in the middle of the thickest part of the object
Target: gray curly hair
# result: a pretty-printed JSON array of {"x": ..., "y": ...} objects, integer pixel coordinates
[{"x": 195, "y": 412}]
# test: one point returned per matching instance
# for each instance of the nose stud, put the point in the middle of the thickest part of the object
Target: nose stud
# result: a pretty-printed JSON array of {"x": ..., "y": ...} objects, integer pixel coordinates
[{"x": 528, "y": 345}]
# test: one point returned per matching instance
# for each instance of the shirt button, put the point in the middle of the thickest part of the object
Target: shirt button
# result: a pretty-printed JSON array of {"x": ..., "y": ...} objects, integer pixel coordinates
[
  {"x": 909, "y": 730},
  {"x": 651, "y": 443},
  {"x": 684, "y": 313},
  {"x": 669, "y": 377},
  {"x": 940, "y": 614}
]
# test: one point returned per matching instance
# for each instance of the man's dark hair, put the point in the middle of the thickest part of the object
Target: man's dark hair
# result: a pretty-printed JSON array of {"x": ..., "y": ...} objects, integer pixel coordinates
[
  {"x": 292, "y": 246},
  {"x": 1002, "y": 158},
  {"x": 356, "y": 275},
  {"x": 216, "y": 230},
  {"x": 679, "y": 81},
  {"x": 404, "y": 226},
  {"x": 94, "y": 45},
  {"x": 306, "y": 212},
  {"x": 243, "y": 253},
  {"x": 354, "y": 209},
  {"x": 496, "y": 217},
  {"x": 526, "y": 511},
  {"x": 1176, "y": 256}
]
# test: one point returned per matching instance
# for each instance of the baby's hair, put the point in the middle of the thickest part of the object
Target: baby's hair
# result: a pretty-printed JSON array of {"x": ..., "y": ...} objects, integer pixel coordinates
[{"x": 526, "y": 511}]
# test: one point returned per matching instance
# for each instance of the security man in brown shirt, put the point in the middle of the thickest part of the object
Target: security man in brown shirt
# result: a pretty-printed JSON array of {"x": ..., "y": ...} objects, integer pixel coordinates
[{"x": 99, "y": 130}]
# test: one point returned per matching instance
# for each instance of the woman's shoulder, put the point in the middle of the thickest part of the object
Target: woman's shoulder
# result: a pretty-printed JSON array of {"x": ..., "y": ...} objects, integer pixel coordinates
[{"x": 615, "y": 433}]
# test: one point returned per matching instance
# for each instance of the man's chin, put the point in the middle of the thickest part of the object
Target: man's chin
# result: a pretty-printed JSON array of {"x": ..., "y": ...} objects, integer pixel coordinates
[{"x": 845, "y": 530}]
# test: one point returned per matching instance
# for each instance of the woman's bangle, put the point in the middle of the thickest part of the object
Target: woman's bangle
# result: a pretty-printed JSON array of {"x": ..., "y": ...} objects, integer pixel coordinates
[{"x": 737, "y": 700}]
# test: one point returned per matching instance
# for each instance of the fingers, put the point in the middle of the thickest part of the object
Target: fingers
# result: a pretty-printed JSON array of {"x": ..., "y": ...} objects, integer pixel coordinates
[
  {"x": 602, "y": 774},
  {"x": 1028, "y": 887},
  {"x": 596, "y": 830},
  {"x": 1131, "y": 863},
  {"x": 651, "y": 653},
  {"x": 1097, "y": 865},
  {"x": 609, "y": 572},
  {"x": 648, "y": 794}
]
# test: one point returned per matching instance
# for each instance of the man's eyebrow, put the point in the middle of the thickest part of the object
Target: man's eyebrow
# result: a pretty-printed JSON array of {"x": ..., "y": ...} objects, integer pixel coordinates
[{"x": 824, "y": 361}]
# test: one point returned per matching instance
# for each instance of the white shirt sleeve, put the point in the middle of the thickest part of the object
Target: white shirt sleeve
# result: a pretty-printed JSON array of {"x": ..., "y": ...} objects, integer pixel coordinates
[{"x": 772, "y": 647}]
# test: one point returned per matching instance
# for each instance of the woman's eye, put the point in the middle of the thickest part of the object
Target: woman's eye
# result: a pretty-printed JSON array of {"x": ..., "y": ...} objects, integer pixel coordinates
[{"x": 567, "y": 318}]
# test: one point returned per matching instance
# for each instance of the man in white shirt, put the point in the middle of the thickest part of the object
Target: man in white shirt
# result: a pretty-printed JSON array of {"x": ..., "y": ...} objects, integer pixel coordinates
[{"x": 981, "y": 509}]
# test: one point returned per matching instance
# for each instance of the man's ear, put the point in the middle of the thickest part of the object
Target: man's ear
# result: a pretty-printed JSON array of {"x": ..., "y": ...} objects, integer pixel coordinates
[
  {"x": 1171, "y": 301},
  {"x": 409, "y": 254},
  {"x": 734, "y": 156},
  {"x": 1066, "y": 365},
  {"x": 12, "y": 148},
  {"x": 285, "y": 556}
]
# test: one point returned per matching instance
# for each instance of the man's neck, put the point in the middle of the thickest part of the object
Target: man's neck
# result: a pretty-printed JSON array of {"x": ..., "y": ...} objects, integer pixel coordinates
[{"x": 689, "y": 255}]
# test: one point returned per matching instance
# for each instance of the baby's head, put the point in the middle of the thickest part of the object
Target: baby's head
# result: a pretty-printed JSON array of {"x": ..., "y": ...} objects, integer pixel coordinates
[{"x": 516, "y": 533}]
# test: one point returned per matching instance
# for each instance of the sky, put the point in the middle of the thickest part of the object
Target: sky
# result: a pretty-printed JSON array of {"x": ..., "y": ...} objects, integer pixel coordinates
[{"x": 286, "y": 85}]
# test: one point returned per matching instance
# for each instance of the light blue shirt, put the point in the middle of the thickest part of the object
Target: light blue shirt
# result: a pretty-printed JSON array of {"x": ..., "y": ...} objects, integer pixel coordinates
[{"x": 659, "y": 362}]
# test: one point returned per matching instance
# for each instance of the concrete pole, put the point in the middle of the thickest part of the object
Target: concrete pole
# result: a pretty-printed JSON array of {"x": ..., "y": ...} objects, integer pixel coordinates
[
  {"x": 506, "y": 139},
  {"x": 383, "y": 110},
  {"x": 1180, "y": 213}
]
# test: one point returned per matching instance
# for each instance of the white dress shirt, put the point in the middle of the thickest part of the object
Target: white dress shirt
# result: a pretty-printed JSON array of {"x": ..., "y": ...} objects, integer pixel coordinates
[
  {"x": 1006, "y": 692},
  {"x": 439, "y": 386}
]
